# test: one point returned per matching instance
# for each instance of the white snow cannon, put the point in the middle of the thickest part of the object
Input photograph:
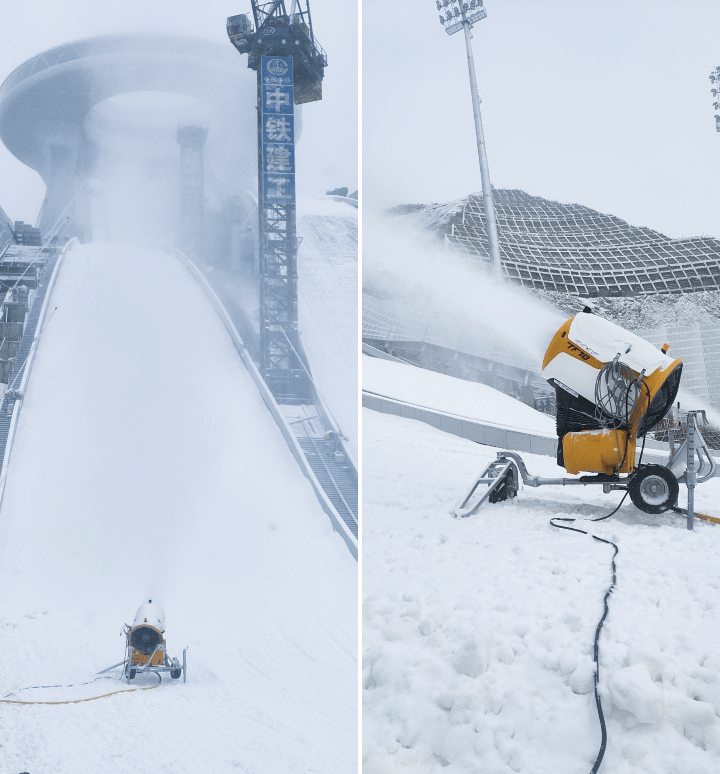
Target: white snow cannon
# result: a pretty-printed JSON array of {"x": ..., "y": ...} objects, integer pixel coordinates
[
  {"x": 612, "y": 387},
  {"x": 146, "y": 650}
]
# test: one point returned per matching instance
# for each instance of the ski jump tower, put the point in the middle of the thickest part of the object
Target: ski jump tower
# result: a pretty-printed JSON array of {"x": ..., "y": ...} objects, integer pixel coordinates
[
  {"x": 191, "y": 138},
  {"x": 290, "y": 66}
]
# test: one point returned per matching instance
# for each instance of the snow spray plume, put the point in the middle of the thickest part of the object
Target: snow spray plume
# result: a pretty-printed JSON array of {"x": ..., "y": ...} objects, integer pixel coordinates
[
  {"x": 409, "y": 267},
  {"x": 134, "y": 187},
  {"x": 690, "y": 402}
]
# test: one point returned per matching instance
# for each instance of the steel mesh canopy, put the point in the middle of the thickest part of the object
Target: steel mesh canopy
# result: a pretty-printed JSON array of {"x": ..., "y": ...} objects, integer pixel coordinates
[{"x": 569, "y": 248}]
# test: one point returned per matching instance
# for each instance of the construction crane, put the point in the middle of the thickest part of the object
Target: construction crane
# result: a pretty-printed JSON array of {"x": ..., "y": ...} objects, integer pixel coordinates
[
  {"x": 290, "y": 66},
  {"x": 279, "y": 33}
]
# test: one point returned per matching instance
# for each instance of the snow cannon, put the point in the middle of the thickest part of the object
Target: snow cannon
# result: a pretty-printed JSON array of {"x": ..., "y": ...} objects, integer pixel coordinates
[
  {"x": 146, "y": 644},
  {"x": 612, "y": 387},
  {"x": 146, "y": 635}
]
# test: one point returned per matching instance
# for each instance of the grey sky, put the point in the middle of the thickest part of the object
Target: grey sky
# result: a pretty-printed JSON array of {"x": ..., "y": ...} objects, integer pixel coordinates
[
  {"x": 327, "y": 152},
  {"x": 601, "y": 102}
]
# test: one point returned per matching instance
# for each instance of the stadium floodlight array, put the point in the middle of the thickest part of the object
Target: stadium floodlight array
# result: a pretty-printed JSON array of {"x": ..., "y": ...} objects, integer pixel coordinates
[
  {"x": 715, "y": 79},
  {"x": 461, "y": 15},
  {"x": 457, "y": 13}
]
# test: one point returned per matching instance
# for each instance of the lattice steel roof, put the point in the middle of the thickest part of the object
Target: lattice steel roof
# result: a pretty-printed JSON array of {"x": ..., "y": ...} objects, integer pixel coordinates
[{"x": 573, "y": 249}]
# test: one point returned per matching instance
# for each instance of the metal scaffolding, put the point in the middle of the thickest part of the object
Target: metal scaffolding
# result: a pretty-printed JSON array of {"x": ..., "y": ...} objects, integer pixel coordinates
[{"x": 290, "y": 66}]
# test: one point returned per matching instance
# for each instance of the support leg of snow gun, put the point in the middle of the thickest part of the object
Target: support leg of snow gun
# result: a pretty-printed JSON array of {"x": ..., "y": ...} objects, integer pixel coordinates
[
  {"x": 501, "y": 478},
  {"x": 692, "y": 463},
  {"x": 690, "y": 476},
  {"x": 511, "y": 464}
]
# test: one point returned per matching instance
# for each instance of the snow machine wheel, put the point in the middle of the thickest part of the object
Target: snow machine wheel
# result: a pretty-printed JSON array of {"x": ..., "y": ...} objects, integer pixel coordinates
[
  {"x": 653, "y": 489},
  {"x": 505, "y": 490},
  {"x": 131, "y": 674},
  {"x": 175, "y": 674}
]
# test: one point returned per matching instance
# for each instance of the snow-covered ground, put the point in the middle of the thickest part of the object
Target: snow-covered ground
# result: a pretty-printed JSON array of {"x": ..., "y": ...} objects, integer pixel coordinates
[
  {"x": 147, "y": 466},
  {"x": 328, "y": 305},
  {"x": 478, "y": 633},
  {"x": 453, "y": 396}
]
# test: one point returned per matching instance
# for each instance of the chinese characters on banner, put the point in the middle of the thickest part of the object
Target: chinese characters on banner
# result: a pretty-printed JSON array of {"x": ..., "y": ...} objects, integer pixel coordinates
[{"x": 278, "y": 130}]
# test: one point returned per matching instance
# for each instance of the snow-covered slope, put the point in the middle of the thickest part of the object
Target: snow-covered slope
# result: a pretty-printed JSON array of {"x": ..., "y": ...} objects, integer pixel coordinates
[
  {"x": 478, "y": 632},
  {"x": 453, "y": 396},
  {"x": 328, "y": 305},
  {"x": 147, "y": 466}
]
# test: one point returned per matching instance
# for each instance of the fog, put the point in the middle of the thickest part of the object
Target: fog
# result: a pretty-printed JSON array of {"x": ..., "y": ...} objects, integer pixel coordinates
[
  {"x": 327, "y": 154},
  {"x": 134, "y": 187},
  {"x": 134, "y": 193},
  {"x": 422, "y": 279}
]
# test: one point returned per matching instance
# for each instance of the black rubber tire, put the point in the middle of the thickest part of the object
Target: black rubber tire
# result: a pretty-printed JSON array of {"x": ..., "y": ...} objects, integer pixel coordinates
[
  {"x": 175, "y": 674},
  {"x": 650, "y": 477},
  {"x": 133, "y": 672},
  {"x": 505, "y": 489}
]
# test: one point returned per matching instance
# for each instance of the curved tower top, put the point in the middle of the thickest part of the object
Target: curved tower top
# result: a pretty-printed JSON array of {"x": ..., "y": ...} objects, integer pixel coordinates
[{"x": 44, "y": 103}]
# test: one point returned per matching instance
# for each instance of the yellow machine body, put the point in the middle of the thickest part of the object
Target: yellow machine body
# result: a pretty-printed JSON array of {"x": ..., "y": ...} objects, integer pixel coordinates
[
  {"x": 599, "y": 451},
  {"x": 580, "y": 349}
]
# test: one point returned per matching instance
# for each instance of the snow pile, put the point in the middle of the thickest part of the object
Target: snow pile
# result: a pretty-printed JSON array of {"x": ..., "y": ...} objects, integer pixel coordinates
[
  {"x": 147, "y": 466},
  {"x": 478, "y": 633},
  {"x": 435, "y": 217},
  {"x": 453, "y": 396},
  {"x": 328, "y": 305},
  {"x": 327, "y": 206},
  {"x": 645, "y": 311}
]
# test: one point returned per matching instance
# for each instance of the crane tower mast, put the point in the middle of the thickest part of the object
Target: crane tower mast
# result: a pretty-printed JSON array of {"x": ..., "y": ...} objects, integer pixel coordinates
[{"x": 290, "y": 66}]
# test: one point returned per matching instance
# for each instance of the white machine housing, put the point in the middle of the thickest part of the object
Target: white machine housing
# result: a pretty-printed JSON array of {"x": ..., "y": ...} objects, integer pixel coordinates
[{"x": 602, "y": 340}]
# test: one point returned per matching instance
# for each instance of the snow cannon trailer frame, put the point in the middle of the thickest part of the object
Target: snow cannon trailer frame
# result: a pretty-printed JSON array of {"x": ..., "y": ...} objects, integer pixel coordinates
[
  {"x": 652, "y": 488},
  {"x": 612, "y": 388},
  {"x": 159, "y": 661},
  {"x": 145, "y": 648}
]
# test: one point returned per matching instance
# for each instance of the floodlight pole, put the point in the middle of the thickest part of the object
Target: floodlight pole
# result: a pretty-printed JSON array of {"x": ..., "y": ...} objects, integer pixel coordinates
[{"x": 488, "y": 201}]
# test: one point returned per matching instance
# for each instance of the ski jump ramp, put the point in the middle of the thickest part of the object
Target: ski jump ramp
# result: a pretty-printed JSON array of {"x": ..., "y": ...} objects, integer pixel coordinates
[{"x": 146, "y": 465}]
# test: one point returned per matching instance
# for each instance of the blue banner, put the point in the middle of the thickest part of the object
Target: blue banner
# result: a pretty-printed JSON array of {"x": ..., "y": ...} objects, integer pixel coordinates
[
  {"x": 276, "y": 70},
  {"x": 277, "y": 100},
  {"x": 277, "y": 149},
  {"x": 279, "y": 189},
  {"x": 278, "y": 157},
  {"x": 278, "y": 129}
]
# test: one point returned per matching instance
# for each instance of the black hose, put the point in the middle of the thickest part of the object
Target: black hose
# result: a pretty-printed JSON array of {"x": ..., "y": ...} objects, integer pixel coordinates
[{"x": 601, "y": 717}]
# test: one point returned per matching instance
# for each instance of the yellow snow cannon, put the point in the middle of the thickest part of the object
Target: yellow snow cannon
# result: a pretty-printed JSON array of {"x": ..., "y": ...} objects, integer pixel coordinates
[
  {"x": 146, "y": 647},
  {"x": 612, "y": 387}
]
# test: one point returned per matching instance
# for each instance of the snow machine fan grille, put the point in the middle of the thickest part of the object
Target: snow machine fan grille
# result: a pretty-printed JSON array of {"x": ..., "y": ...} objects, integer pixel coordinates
[
  {"x": 145, "y": 639},
  {"x": 661, "y": 402}
]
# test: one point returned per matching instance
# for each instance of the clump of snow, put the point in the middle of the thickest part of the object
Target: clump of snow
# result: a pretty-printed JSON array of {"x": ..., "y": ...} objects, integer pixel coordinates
[
  {"x": 633, "y": 690},
  {"x": 472, "y": 657}
]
